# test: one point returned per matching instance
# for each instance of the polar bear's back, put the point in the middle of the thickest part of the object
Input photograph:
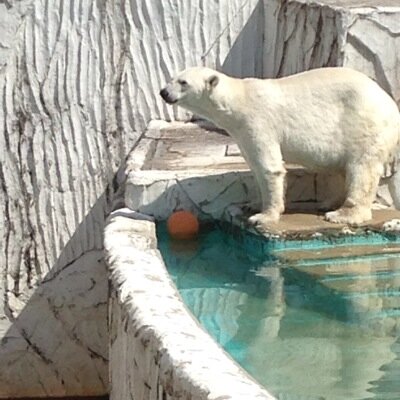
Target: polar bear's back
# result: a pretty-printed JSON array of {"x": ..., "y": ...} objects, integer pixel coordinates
[
  {"x": 341, "y": 86},
  {"x": 327, "y": 116},
  {"x": 327, "y": 73}
]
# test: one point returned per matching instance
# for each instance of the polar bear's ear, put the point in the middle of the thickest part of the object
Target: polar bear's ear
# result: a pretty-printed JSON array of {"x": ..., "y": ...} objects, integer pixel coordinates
[{"x": 212, "y": 81}]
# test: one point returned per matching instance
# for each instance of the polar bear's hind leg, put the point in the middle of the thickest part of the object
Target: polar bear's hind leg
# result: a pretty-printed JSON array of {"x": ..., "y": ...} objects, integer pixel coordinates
[{"x": 362, "y": 182}]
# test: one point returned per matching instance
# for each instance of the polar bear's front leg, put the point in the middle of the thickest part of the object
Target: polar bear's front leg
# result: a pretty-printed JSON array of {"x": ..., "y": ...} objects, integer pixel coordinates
[{"x": 271, "y": 181}]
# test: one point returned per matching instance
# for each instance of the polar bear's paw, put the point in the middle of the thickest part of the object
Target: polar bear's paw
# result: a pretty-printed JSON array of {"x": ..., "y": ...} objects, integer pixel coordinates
[
  {"x": 351, "y": 216},
  {"x": 263, "y": 220}
]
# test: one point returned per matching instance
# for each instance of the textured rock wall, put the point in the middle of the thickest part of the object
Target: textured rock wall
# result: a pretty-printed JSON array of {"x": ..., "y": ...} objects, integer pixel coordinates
[
  {"x": 373, "y": 45},
  {"x": 162, "y": 38},
  {"x": 305, "y": 34},
  {"x": 78, "y": 83},
  {"x": 61, "y": 142},
  {"x": 301, "y": 36}
]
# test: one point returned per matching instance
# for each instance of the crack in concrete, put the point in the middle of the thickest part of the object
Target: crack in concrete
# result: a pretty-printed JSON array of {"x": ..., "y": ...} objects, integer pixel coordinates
[
  {"x": 7, "y": 309},
  {"x": 194, "y": 204},
  {"x": 36, "y": 350},
  {"x": 372, "y": 57},
  {"x": 73, "y": 336},
  {"x": 381, "y": 26},
  {"x": 52, "y": 276}
]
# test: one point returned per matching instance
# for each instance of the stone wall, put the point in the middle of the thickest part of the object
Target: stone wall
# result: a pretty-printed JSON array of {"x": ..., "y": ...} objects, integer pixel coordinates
[
  {"x": 79, "y": 81},
  {"x": 305, "y": 34}
]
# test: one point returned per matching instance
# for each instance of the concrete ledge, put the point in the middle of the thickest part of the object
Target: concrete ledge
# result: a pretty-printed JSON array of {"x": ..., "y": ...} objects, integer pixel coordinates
[{"x": 157, "y": 350}]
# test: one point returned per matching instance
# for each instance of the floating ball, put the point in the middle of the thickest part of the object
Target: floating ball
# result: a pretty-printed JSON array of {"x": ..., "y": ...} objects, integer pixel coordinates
[{"x": 183, "y": 225}]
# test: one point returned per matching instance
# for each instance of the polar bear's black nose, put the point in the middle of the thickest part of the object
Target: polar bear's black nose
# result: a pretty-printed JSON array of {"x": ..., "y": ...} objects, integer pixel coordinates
[{"x": 164, "y": 94}]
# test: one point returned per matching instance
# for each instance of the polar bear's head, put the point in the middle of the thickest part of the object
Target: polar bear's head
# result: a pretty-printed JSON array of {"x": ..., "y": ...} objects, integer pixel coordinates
[{"x": 191, "y": 88}]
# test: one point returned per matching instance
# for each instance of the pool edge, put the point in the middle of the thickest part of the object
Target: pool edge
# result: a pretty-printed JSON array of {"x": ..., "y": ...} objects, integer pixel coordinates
[{"x": 157, "y": 349}]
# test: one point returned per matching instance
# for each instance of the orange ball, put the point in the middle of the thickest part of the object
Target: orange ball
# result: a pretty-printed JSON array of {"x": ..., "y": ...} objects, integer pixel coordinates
[{"x": 183, "y": 225}]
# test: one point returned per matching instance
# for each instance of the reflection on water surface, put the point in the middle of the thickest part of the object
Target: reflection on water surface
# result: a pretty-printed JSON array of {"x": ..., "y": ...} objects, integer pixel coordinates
[{"x": 312, "y": 329}]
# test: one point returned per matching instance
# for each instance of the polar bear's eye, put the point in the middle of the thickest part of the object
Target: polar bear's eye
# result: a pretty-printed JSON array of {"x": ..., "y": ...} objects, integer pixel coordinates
[{"x": 182, "y": 82}]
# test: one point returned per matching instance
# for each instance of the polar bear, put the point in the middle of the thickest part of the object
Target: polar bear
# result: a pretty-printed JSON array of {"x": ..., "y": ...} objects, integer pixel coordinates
[{"x": 327, "y": 119}]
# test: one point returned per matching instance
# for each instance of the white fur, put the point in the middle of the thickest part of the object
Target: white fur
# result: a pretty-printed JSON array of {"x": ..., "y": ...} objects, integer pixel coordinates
[{"x": 333, "y": 119}]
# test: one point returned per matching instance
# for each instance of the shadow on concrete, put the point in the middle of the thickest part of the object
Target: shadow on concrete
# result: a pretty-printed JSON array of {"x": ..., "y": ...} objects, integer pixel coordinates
[
  {"x": 57, "y": 344},
  {"x": 246, "y": 53}
]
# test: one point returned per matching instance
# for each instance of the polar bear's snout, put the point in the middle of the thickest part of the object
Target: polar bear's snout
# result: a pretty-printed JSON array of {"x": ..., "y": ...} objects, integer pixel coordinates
[{"x": 168, "y": 96}]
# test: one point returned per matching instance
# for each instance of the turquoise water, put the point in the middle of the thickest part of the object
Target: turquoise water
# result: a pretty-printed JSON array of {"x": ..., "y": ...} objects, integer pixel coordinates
[{"x": 306, "y": 331}]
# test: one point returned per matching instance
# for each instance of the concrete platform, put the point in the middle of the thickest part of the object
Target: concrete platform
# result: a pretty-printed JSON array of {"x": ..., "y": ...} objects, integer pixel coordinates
[
  {"x": 336, "y": 252},
  {"x": 182, "y": 147},
  {"x": 311, "y": 222}
]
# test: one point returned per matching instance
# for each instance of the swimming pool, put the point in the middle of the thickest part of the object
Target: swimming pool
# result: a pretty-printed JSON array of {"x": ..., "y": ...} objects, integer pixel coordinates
[{"x": 317, "y": 328}]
